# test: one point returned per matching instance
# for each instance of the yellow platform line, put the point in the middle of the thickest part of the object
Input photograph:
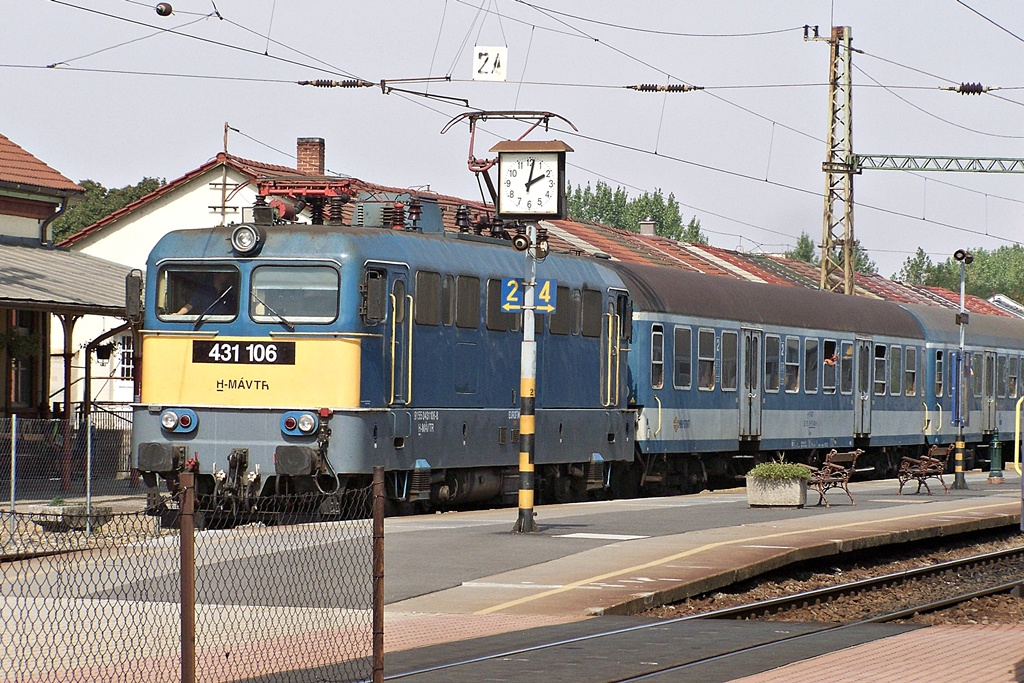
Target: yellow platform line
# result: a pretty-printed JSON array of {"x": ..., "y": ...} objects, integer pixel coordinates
[{"x": 709, "y": 546}]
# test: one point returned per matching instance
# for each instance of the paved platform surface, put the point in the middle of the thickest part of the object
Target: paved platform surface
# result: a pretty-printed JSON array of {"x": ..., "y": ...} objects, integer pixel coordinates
[{"x": 458, "y": 580}]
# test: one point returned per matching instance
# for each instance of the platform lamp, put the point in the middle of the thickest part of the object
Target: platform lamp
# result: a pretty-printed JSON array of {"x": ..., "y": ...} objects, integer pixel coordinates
[{"x": 962, "y": 320}]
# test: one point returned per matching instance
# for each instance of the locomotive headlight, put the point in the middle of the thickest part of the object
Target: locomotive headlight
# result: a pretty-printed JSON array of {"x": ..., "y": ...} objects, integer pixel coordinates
[
  {"x": 246, "y": 239},
  {"x": 169, "y": 420},
  {"x": 307, "y": 423}
]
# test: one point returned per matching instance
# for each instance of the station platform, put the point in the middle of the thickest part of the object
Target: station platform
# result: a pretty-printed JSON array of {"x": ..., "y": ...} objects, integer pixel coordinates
[{"x": 622, "y": 557}]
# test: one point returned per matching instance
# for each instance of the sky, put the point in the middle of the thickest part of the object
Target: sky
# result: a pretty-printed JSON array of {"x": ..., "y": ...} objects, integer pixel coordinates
[{"x": 130, "y": 94}]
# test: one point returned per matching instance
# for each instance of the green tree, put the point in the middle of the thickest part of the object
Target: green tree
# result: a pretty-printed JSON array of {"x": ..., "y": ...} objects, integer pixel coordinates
[
  {"x": 601, "y": 204},
  {"x": 1000, "y": 271},
  {"x": 98, "y": 203},
  {"x": 915, "y": 269},
  {"x": 691, "y": 233},
  {"x": 804, "y": 250},
  {"x": 862, "y": 263}
]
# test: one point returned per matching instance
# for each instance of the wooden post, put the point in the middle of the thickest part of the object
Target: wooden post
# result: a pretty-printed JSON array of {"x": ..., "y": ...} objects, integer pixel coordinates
[{"x": 187, "y": 491}]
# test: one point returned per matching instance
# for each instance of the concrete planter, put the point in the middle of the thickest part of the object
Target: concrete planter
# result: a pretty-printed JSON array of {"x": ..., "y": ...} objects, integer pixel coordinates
[
  {"x": 69, "y": 517},
  {"x": 788, "y": 492}
]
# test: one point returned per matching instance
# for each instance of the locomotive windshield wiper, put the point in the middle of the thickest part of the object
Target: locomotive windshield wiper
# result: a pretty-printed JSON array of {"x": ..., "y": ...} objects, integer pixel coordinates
[
  {"x": 280, "y": 318},
  {"x": 202, "y": 316}
]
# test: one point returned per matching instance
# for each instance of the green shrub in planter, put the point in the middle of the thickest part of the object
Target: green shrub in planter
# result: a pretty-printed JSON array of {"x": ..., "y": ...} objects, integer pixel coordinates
[{"x": 779, "y": 470}]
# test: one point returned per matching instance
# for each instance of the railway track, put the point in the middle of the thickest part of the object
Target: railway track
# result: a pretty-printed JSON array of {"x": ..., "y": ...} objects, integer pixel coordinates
[{"x": 984, "y": 574}]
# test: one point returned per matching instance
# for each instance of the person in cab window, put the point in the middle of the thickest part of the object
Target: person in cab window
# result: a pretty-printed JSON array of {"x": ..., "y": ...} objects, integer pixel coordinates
[{"x": 220, "y": 296}]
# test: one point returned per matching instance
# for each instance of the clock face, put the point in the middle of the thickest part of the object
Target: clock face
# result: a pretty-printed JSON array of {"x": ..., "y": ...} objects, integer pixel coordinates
[{"x": 530, "y": 184}]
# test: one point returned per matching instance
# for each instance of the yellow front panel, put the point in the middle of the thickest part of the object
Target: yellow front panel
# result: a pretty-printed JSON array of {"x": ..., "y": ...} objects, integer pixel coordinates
[{"x": 325, "y": 373}]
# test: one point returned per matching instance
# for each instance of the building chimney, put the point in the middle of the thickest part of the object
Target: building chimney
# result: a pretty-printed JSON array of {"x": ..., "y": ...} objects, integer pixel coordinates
[
  {"x": 310, "y": 156},
  {"x": 647, "y": 226}
]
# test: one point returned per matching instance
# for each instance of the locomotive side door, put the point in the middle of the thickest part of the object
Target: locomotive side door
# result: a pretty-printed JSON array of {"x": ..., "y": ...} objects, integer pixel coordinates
[
  {"x": 750, "y": 382},
  {"x": 862, "y": 396},
  {"x": 398, "y": 336}
]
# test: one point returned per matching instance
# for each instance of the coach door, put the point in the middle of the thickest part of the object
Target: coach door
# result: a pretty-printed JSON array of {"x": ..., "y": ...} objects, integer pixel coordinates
[
  {"x": 988, "y": 394},
  {"x": 862, "y": 396},
  {"x": 750, "y": 382},
  {"x": 616, "y": 333},
  {"x": 398, "y": 337}
]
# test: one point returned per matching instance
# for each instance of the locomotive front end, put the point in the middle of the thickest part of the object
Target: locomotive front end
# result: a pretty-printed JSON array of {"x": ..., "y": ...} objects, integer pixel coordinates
[{"x": 248, "y": 374}]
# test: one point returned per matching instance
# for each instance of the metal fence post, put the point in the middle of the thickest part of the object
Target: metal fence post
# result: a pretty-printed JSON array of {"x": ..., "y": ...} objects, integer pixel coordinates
[
  {"x": 13, "y": 469},
  {"x": 88, "y": 475},
  {"x": 378, "y": 575},
  {"x": 187, "y": 492}
]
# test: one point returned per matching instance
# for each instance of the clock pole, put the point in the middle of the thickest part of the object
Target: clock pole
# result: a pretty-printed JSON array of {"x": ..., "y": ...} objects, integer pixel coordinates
[{"x": 528, "y": 392}]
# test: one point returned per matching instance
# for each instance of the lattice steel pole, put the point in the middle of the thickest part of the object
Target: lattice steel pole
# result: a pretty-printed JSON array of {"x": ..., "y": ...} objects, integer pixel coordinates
[{"x": 837, "y": 240}]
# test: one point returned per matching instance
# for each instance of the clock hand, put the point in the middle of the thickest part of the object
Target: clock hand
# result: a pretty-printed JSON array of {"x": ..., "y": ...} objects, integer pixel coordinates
[{"x": 530, "y": 179}]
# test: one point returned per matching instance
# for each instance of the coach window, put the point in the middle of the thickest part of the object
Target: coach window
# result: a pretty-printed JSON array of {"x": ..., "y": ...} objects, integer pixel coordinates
[
  {"x": 895, "y": 370},
  {"x": 657, "y": 356},
  {"x": 1012, "y": 383},
  {"x": 706, "y": 360},
  {"x": 591, "y": 313},
  {"x": 977, "y": 364},
  {"x": 792, "y": 365},
  {"x": 575, "y": 312},
  {"x": 881, "y": 368},
  {"x": 846, "y": 368},
  {"x": 829, "y": 363},
  {"x": 811, "y": 366},
  {"x": 910, "y": 372},
  {"x": 729, "y": 350},
  {"x": 771, "y": 362},
  {"x": 299, "y": 294},
  {"x": 428, "y": 298},
  {"x": 559, "y": 323},
  {"x": 939, "y": 363},
  {"x": 467, "y": 302},
  {"x": 682, "y": 353},
  {"x": 1001, "y": 374}
]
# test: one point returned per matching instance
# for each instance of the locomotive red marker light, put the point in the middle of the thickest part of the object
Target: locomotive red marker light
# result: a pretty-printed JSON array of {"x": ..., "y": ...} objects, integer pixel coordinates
[
  {"x": 289, "y": 423},
  {"x": 185, "y": 421}
]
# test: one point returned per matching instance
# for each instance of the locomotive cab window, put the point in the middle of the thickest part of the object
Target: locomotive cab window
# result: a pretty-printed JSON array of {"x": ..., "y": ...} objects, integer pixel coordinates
[
  {"x": 190, "y": 292},
  {"x": 682, "y": 353},
  {"x": 772, "y": 345},
  {"x": 591, "y": 313},
  {"x": 657, "y": 357},
  {"x": 296, "y": 294}
]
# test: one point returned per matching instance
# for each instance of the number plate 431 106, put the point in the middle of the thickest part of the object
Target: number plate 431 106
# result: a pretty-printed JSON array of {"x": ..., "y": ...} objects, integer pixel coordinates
[{"x": 245, "y": 353}]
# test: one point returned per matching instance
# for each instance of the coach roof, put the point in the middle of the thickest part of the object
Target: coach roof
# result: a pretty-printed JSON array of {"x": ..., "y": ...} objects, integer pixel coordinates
[{"x": 665, "y": 290}]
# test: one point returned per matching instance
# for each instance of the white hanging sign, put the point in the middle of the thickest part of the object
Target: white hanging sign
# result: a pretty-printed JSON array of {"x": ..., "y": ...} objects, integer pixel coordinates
[{"x": 490, "y": 63}]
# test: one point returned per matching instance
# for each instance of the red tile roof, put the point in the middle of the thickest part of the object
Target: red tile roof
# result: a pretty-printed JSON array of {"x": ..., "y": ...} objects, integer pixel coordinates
[{"x": 18, "y": 167}]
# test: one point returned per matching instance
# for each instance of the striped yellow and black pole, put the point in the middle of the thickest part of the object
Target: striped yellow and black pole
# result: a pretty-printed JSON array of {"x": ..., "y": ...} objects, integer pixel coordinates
[{"x": 527, "y": 396}]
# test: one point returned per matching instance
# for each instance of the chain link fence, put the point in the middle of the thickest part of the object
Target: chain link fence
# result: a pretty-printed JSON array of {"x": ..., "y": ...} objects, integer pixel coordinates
[
  {"x": 56, "y": 461},
  {"x": 110, "y": 596}
]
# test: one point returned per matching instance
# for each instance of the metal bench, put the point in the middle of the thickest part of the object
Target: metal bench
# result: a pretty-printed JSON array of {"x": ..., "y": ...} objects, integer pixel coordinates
[
  {"x": 834, "y": 473},
  {"x": 924, "y": 468}
]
